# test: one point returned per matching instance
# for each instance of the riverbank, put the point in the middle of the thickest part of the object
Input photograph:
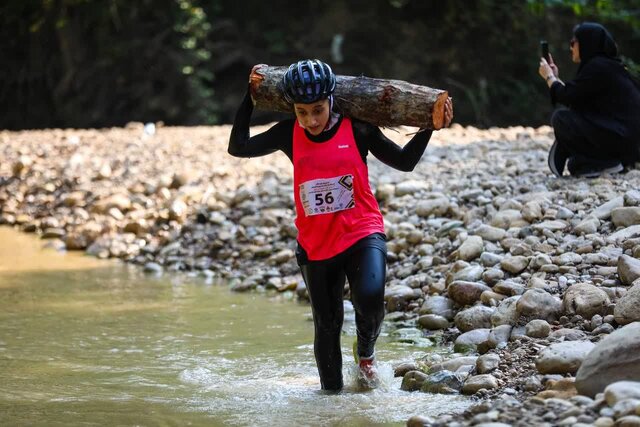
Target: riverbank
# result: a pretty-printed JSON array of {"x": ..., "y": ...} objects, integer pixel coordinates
[{"x": 486, "y": 249}]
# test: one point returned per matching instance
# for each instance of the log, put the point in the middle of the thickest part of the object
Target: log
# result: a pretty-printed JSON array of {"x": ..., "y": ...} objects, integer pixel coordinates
[{"x": 377, "y": 101}]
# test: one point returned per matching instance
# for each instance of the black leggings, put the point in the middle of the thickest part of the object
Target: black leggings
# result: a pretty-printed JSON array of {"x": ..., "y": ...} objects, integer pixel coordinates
[{"x": 364, "y": 264}]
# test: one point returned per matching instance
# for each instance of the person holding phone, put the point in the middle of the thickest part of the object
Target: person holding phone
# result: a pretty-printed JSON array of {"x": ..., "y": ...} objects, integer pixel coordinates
[
  {"x": 599, "y": 131},
  {"x": 340, "y": 226}
]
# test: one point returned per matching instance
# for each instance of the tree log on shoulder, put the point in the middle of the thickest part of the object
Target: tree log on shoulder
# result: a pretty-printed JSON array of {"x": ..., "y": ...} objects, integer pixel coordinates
[{"x": 377, "y": 101}]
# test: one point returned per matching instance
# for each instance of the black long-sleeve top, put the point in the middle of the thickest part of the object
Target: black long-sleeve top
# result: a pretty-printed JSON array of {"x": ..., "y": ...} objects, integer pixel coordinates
[
  {"x": 604, "y": 93},
  {"x": 368, "y": 138}
]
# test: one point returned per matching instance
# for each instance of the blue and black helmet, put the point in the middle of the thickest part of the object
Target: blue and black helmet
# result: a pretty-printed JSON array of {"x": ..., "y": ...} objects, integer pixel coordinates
[{"x": 308, "y": 81}]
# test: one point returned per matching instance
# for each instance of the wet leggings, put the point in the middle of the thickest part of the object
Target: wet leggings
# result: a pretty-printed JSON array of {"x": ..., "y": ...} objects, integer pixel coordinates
[{"x": 365, "y": 267}]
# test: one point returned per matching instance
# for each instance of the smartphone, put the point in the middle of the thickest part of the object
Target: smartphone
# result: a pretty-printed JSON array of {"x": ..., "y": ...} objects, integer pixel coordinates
[{"x": 544, "y": 47}]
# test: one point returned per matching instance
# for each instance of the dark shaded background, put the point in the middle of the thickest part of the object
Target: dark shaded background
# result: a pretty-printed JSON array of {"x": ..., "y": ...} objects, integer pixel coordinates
[{"x": 100, "y": 63}]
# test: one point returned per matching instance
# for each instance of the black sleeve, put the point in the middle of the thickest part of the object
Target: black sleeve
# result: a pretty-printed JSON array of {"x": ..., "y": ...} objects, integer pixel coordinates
[
  {"x": 370, "y": 137},
  {"x": 585, "y": 86},
  {"x": 278, "y": 137}
]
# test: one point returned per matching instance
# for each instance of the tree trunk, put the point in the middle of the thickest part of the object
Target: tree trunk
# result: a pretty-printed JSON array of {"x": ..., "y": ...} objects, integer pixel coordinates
[{"x": 377, "y": 101}]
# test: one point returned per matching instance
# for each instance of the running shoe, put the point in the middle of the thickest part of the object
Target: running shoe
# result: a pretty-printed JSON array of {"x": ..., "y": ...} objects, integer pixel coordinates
[
  {"x": 368, "y": 377},
  {"x": 594, "y": 172}
]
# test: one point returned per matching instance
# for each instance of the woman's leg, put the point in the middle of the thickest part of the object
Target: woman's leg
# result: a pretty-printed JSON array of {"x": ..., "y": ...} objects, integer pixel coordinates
[
  {"x": 366, "y": 271},
  {"x": 587, "y": 146},
  {"x": 325, "y": 284}
]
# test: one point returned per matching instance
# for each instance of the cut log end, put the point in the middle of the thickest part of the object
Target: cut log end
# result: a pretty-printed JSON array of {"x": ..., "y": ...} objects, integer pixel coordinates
[{"x": 438, "y": 111}]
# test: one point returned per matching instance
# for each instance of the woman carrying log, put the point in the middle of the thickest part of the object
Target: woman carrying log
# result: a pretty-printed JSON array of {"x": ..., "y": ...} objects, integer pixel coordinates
[
  {"x": 340, "y": 227},
  {"x": 600, "y": 131}
]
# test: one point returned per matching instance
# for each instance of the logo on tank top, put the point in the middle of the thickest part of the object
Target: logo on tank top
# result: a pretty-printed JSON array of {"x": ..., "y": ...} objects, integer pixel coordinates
[{"x": 343, "y": 146}]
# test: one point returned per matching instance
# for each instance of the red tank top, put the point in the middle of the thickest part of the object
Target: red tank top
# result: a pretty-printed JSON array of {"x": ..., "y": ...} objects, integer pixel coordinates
[{"x": 334, "y": 204}]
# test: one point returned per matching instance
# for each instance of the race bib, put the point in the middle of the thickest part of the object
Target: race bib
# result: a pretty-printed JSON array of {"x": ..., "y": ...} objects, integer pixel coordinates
[{"x": 327, "y": 195}]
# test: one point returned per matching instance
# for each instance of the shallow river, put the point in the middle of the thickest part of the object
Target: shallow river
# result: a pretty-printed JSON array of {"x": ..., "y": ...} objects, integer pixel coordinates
[{"x": 90, "y": 342}]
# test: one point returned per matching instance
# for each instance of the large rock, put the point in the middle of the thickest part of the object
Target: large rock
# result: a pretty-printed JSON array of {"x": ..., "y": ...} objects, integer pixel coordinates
[
  {"x": 615, "y": 358},
  {"x": 627, "y": 308},
  {"x": 586, "y": 300},
  {"x": 628, "y": 269},
  {"x": 466, "y": 293},
  {"x": 476, "y": 317},
  {"x": 539, "y": 304},
  {"x": 563, "y": 357}
]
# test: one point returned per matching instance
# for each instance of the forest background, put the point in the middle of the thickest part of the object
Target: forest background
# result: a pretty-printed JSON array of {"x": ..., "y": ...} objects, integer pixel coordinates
[{"x": 102, "y": 63}]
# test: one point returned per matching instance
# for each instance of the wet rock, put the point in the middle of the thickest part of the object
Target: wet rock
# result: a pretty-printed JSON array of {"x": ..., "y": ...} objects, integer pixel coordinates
[
  {"x": 413, "y": 380},
  {"x": 152, "y": 267},
  {"x": 443, "y": 382},
  {"x": 563, "y": 358},
  {"x": 615, "y": 358},
  {"x": 419, "y": 421}
]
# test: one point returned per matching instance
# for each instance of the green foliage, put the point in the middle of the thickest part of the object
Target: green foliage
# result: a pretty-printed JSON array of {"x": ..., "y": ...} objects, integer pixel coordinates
[
  {"x": 101, "y": 63},
  {"x": 86, "y": 63}
]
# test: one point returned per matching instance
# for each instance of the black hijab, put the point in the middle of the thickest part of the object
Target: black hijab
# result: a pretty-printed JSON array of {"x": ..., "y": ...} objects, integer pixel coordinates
[{"x": 594, "y": 40}]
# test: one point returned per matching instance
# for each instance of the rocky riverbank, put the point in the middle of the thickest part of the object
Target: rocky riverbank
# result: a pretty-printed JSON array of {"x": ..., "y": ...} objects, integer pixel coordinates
[{"x": 532, "y": 279}]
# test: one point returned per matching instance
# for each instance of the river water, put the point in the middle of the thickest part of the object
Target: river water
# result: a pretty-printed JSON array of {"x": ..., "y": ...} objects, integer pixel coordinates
[{"x": 91, "y": 342}]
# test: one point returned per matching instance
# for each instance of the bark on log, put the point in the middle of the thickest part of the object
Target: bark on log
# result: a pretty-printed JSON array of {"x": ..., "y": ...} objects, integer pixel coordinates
[{"x": 377, "y": 101}]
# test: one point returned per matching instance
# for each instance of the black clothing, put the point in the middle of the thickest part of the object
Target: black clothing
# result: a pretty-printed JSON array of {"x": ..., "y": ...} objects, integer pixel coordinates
[
  {"x": 603, "y": 120},
  {"x": 364, "y": 265},
  {"x": 368, "y": 138}
]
